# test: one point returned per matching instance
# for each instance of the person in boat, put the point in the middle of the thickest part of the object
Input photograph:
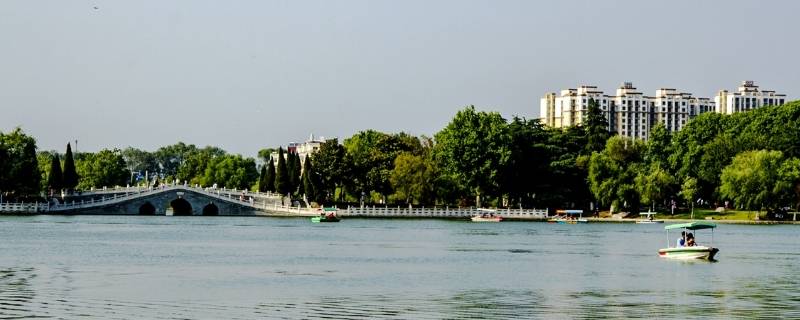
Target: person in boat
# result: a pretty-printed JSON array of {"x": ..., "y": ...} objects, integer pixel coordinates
[
  {"x": 690, "y": 240},
  {"x": 682, "y": 240}
]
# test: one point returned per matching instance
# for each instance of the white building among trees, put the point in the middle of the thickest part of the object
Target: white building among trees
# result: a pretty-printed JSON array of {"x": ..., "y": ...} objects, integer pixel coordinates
[{"x": 632, "y": 114}]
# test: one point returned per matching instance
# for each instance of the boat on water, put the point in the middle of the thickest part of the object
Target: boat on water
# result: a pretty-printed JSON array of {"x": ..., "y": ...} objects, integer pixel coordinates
[
  {"x": 689, "y": 252},
  {"x": 648, "y": 219},
  {"x": 487, "y": 216},
  {"x": 568, "y": 217},
  {"x": 482, "y": 218},
  {"x": 326, "y": 215}
]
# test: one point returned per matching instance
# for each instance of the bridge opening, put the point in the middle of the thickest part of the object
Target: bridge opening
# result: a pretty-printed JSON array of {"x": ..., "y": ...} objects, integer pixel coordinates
[
  {"x": 181, "y": 207},
  {"x": 211, "y": 210},
  {"x": 147, "y": 209}
]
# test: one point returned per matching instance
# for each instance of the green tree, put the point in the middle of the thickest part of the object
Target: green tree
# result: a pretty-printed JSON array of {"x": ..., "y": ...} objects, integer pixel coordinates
[
  {"x": 293, "y": 171},
  {"x": 231, "y": 171},
  {"x": 654, "y": 184},
  {"x": 70, "y": 180},
  {"x": 262, "y": 179},
  {"x": 332, "y": 166},
  {"x": 788, "y": 185},
  {"x": 310, "y": 181},
  {"x": 269, "y": 178},
  {"x": 20, "y": 175},
  {"x": 195, "y": 162},
  {"x": 140, "y": 161},
  {"x": 372, "y": 155},
  {"x": 752, "y": 180},
  {"x": 597, "y": 128},
  {"x": 55, "y": 176},
  {"x": 659, "y": 145},
  {"x": 410, "y": 179},
  {"x": 613, "y": 172},
  {"x": 106, "y": 168},
  {"x": 473, "y": 148},
  {"x": 527, "y": 171},
  {"x": 281, "y": 175}
]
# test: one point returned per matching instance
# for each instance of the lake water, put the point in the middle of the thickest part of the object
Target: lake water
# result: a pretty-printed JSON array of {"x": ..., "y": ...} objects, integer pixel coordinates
[{"x": 123, "y": 267}]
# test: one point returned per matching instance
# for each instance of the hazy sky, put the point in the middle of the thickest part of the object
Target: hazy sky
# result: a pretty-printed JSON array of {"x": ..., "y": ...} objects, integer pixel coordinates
[{"x": 244, "y": 75}]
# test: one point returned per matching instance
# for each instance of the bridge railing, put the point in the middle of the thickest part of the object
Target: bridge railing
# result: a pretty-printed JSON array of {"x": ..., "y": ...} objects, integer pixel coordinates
[
  {"x": 437, "y": 212},
  {"x": 136, "y": 189},
  {"x": 33, "y": 207}
]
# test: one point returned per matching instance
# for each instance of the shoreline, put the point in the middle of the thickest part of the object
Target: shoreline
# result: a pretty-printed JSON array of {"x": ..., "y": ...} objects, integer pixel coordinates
[{"x": 512, "y": 219}]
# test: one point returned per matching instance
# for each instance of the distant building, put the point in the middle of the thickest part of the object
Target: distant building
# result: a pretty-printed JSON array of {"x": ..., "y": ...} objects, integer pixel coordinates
[
  {"x": 747, "y": 97},
  {"x": 632, "y": 114},
  {"x": 301, "y": 149}
]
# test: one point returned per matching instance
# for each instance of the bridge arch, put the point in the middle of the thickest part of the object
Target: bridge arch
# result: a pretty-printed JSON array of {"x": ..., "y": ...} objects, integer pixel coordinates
[
  {"x": 147, "y": 209},
  {"x": 181, "y": 207},
  {"x": 211, "y": 209}
]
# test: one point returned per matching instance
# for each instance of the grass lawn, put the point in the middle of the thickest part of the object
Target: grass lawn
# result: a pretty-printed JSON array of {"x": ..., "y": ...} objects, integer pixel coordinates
[{"x": 701, "y": 214}]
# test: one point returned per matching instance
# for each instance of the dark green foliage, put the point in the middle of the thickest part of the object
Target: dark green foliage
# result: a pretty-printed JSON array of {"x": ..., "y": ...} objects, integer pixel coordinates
[
  {"x": 293, "y": 170},
  {"x": 282, "y": 185},
  {"x": 19, "y": 166},
  {"x": 70, "y": 180},
  {"x": 230, "y": 171},
  {"x": 597, "y": 128},
  {"x": 310, "y": 181},
  {"x": 269, "y": 177},
  {"x": 55, "y": 176},
  {"x": 474, "y": 148},
  {"x": 371, "y": 154},
  {"x": 331, "y": 163},
  {"x": 106, "y": 168},
  {"x": 262, "y": 179}
]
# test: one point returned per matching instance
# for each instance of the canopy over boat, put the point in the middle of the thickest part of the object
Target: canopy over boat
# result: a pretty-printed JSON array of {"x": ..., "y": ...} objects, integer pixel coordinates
[
  {"x": 569, "y": 212},
  {"x": 697, "y": 225}
]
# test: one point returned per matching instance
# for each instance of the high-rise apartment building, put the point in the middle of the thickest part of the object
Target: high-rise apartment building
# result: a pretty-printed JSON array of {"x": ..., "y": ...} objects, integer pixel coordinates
[
  {"x": 747, "y": 97},
  {"x": 632, "y": 114}
]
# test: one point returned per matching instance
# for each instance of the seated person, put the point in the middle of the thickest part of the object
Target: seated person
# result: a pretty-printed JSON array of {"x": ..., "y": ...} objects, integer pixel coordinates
[
  {"x": 690, "y": 240},
  {"x": 682, "y": 240}
]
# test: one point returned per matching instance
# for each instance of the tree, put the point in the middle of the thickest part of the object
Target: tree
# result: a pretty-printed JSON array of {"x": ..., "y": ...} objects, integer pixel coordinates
[
  {"x": 413, "y": 178},
  {"x": 106, "y": 168},
  {"x": 195, "y": 162},
  {"x": 231, "y": 171},
  {"x": 262, "y": 179},
  {"x": 332, "y": 166},
  {"x": 139, "y": 160},
  {"x": 654, "y": 184},
  {"x": 281, "y": 175},
  {"x": 293, "y": 171},
  {"x": 473, "y": 148},
  {"x": 597, "y": 128},
  {"x": 310, "y": 181},
  {"x": 659, "y": 145},
  {"x": 613, "y": 172},
  {"x": 269, "y": 178},
  {"x": 527, "y": 172},
  {"x": 20, "y": 176},
  {"x": 55, "y": 176},
  {"x": 70, "y": 180},
  {"x": 752, "y": 180}
]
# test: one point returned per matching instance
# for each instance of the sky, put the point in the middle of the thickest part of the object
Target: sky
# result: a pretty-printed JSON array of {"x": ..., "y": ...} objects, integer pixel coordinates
[{"x": 245, "y": 75}]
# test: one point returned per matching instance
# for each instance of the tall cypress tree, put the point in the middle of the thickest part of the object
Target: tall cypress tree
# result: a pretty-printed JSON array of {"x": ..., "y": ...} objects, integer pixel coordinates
[
  {"x": 298, "y": 170},
  {"x": 308, "y": 185},
  {"x": 70, "y": 180},
  {"x": 281, "y": 176},
  {"x": 597, "y": 128},
  {"x": 262, "y": 179},
  {"x": 54, "y": 180},
  {"x": 291, "y": 168},
  {"x": 269, "y": 179}
]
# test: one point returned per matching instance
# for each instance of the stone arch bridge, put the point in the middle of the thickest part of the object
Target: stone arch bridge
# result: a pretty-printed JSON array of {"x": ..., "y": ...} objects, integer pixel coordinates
[{"x": 172, "y": 200}]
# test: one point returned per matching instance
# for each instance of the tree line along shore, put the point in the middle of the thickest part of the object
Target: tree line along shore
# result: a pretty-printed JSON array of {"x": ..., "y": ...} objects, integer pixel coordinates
[{"x": 744, "y": 162}]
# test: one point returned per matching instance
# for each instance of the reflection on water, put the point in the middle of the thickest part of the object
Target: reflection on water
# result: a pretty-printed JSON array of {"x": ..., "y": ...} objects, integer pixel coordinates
[{"x": 245, "y": 268}]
